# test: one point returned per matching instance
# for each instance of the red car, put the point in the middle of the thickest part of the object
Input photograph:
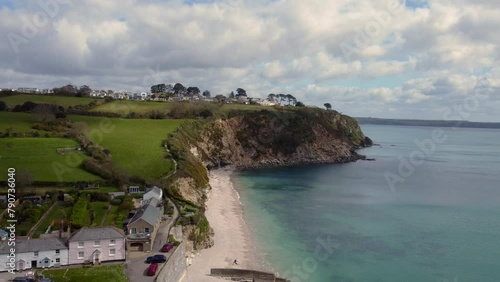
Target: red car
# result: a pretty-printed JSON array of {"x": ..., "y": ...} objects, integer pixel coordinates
[
  {"x": 152, "y": 269},
  {"x": 167, "y": 247}
]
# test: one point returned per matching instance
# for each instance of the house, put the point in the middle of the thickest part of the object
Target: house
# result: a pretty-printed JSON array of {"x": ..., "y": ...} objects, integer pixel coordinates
[
  {"x": 45, "y": 252},
  {"x": 48, "y": 91},
  {"x": 28, "y": 90},
  {"x": 142, "y": 227},
  {"x": 96, "y": 244},
  {"x": 154, "y": 192},
  {"x": 113, "y": 195},
  {"x": 267, "y": 103},
  {"x": 33, "y": 199},
  {"x": 135, "y": 190}
]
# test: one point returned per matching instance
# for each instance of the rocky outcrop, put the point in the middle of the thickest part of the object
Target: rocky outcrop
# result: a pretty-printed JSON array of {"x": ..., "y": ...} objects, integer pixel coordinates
[{"x": 268, "y": 139}]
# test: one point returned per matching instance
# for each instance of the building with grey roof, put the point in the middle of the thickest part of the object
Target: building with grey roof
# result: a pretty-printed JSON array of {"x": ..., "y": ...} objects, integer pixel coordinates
[
  {"x": 97, "y": 244},
  {"x": 46, "y": 252},
  {"x": 143, "y": 226}
]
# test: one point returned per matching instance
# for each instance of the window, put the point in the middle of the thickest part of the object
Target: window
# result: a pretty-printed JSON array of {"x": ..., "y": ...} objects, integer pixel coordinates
[
  {"x": 58, "y": 260},
  {"x": 80, "y": 255},
  {"x": 133, "y": 231},
  {"x": 36, "y": 254},
  {"x": 146, "y": 230},
  {"x": 80, "y": 244},
  {"x": 112, "y": 252},
  {"x": 57, "y": 251},
  {"x": 97, "y": 243},
  {"x": 112, "y": 242}
]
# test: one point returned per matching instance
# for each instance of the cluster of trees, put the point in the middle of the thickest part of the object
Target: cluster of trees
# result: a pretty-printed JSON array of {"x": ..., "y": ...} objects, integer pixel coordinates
[
  {"x": 177, "y": 88},
  {"x": 79, "y": 211},
  {"x": 44, "y": 112},
  {"x": 72, "y": 90},
  {"x": 283, "y": 98}
]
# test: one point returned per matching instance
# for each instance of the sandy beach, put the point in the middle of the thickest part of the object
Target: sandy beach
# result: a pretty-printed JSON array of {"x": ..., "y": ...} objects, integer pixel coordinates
[{"x": 231, "y": 240}]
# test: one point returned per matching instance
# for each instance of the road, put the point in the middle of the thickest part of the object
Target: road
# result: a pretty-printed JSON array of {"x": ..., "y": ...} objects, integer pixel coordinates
[{"x": 135, "y": 267}]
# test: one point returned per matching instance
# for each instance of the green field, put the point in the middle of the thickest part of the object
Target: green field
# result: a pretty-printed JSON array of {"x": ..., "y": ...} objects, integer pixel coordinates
[
  {"x": 111, "y": 273},
  {"x": 40, "y": 157},
  {"x": 44, "y": 99},
  {"x": 135, "y": 144},
  {"x": 123, "y": 107},
  {"x": 19, "y": 122}
]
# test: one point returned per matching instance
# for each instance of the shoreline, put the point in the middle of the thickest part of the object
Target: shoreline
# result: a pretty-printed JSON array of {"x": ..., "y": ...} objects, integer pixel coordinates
[{"x": 232, "y": 237}]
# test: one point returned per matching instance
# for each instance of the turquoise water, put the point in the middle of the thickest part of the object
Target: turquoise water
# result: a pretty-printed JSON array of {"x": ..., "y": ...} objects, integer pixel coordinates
[{"x": 344, "y": 222}]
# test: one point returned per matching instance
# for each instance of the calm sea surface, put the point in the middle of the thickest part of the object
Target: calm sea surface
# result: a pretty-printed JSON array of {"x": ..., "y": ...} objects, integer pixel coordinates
[{"x": 439, "y": 222}]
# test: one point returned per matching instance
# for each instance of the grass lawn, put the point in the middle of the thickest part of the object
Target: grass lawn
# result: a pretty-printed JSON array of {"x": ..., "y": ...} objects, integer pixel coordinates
[
  {"x": 135, "y": 144},
  {"x": 14, "y": 100},
  {"x": 110, "y": 273},
  {"x": 99, "y": 209},
  {"x": 225, "y": 108},
  {"x": 57, "y": 214},
  {"x": 124, "y": 107},
  {"x": 39, "y": 156},
  {"x": 113, "y": 213},
  {"x": 19, "y": 122},
  {"x": 102, "y": 190}
]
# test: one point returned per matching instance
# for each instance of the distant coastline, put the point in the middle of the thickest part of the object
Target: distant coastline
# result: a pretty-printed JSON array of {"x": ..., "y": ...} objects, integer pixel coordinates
[{"x": 434, "y": 123}]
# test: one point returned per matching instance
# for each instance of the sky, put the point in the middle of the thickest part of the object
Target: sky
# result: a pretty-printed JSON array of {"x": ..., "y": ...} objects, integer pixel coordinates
[{"x": 421, "y": 59}]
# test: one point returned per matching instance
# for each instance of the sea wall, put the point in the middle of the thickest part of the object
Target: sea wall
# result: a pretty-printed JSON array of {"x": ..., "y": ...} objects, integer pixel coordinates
[
  {"x": 245, "y": 274},
  {"x": 175, "y": 268}
]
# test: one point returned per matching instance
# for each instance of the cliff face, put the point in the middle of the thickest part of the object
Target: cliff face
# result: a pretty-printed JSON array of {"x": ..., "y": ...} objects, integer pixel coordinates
[{"x": 268, "y": 139}]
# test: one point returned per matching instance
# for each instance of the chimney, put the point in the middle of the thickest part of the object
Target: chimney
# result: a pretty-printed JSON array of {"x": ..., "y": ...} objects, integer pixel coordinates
[{"x": 61, "y": 228}]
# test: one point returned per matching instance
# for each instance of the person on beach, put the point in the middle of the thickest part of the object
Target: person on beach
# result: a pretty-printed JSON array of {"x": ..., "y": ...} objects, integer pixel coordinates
[{"x": 235, "y": 262}]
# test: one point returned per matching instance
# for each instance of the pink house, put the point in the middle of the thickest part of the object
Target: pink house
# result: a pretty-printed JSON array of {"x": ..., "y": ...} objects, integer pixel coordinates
[{"x": 97, "y": 244}]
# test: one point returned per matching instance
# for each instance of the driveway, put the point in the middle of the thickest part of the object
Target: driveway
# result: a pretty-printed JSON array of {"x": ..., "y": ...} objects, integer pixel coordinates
[{"x": 135, "y": 267}]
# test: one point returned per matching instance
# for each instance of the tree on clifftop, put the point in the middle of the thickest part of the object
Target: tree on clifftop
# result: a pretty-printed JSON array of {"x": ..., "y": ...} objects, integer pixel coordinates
[
  {"x": 328, "y": 106},
  {"x": 178, "y": 87},
  {"x": 241, "y": 92},
  {"x": 299, "y": 104}
]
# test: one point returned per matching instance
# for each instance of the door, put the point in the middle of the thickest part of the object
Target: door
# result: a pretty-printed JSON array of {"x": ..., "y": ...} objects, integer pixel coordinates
[
  {"x": 20, "y": 265},
  {"x": 33, "y": 264}
]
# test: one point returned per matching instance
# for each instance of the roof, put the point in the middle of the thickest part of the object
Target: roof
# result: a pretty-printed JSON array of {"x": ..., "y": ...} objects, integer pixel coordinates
[
  {"x": 154, "y": 192},
  {"x": 148, "y": 213},
  {"x": 97, "y": 233},
  {"x": 151, "y": 201},
  {"x": 34, "y": 245}
]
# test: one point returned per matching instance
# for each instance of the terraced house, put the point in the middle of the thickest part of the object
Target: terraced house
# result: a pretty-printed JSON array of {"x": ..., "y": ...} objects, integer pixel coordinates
[
  {"x": 46, "y": 252},
  {"x": 97, "y": 244}
]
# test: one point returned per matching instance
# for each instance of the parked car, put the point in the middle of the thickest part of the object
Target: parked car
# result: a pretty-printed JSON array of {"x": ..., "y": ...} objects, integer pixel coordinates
[
  {"x": 156, "y": 259},
  {"x": 167, "y": 247},
  {"x": 23, "y": 279},
  {"x": 152, "y": 269}
]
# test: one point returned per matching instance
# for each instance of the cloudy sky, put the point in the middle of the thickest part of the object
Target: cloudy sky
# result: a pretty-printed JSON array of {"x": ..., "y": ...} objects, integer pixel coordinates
[{"x": 427, "y": 59}]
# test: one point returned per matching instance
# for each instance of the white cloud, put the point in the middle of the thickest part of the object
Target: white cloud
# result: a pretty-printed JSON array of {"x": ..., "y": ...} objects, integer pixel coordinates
[{"x": 421, "y": 57}]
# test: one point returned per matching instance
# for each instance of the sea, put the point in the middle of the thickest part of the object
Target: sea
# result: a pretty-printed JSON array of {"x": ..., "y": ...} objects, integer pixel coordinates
[{"x": 427, "y": 209}]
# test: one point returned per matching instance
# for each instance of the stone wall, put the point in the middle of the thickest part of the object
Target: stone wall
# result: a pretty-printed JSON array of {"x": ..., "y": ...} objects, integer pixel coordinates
[
  {"x": 175, "y": 268},
  {"x": 245, "y": 274}
]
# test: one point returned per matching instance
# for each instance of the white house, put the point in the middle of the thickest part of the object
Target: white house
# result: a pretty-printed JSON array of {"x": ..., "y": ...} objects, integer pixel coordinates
[
  {"x": 46, "y": 252},
  {"x": 154, "y": 192},
  {"x": 28, "y": 90}
]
